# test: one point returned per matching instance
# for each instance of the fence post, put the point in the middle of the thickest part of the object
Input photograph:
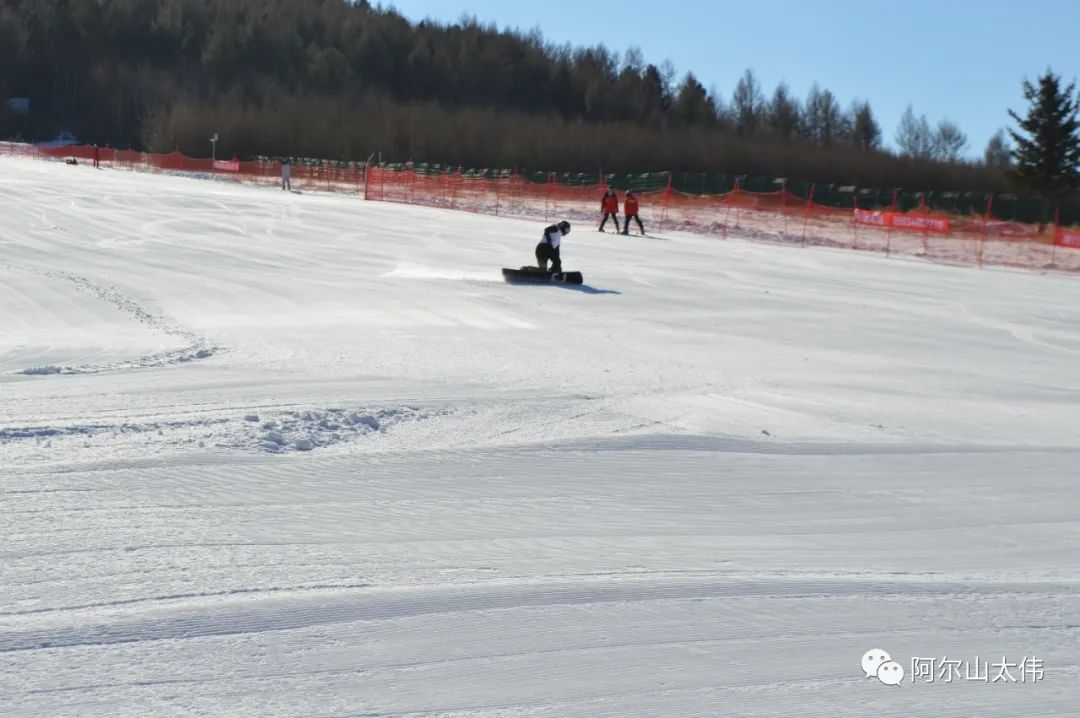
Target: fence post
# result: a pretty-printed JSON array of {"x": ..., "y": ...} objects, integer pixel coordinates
[
  {"x": 738, "y": 202},
  {"x": 783, "y": 205},
  {"x": 1054, "y": 237},
  {"x": 664, "y": 206},
  {"x": 806, "y": 212},
  {"x": 728, "y": 199},
  {"x": 923, "y": 209},
  {"x": 893, "y": 207},
  {"x": 854, "y": 224},
  {"x": 547, "y": 196},
  {"x": 981, "y": 242}
]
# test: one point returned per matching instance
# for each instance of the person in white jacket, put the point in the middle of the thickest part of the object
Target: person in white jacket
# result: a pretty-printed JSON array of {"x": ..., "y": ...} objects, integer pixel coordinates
[
  {"x": 548, "y": 249},
  {"x": 286, "y": 173}
]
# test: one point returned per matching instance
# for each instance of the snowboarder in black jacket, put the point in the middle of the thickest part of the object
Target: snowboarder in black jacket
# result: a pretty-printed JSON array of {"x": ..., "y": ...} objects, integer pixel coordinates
[{"x": 548, "y": 249}]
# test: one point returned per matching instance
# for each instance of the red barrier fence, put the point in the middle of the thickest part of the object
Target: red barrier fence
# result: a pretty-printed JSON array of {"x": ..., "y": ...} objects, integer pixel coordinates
[
  {"x": 770, "y": 216},
  {"x": 314, "y": 176}
]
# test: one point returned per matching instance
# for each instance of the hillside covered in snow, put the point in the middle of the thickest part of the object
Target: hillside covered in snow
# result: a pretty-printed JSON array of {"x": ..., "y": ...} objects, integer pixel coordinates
[{"x": 281, "y": 454}]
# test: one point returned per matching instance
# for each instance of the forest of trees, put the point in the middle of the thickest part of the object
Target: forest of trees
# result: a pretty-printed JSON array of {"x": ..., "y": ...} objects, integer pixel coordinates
[{"x": 341, "y": 80}]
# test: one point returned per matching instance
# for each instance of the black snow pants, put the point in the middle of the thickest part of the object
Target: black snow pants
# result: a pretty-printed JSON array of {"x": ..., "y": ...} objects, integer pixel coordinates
[
  {"x": 546, "y": 253},
  {"x": 626, "y": 223}
]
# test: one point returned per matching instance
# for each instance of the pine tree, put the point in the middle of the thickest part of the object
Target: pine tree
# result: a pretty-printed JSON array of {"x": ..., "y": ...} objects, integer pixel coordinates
[
  {"x": 865, "y": 131},
  {"x": 998, "y": 153},
  {"x": 824, "y": 120},
  {"x": 784, "y": 113},
  {"x": 747, "y": 103},
  {"x": 1047, "y": 153},
  {"x": 693, "y": 106}
]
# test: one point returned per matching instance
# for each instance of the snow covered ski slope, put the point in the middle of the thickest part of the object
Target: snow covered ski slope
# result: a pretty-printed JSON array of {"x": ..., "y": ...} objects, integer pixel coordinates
[{"x": 270, "y": 454}]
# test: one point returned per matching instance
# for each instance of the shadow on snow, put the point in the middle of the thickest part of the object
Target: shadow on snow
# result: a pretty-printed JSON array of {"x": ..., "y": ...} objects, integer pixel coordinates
[{"x": 583, "y": 288}]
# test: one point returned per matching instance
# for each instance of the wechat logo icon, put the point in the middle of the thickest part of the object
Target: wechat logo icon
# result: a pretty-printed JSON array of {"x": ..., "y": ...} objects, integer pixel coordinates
[{"x": 879, "y": 664}]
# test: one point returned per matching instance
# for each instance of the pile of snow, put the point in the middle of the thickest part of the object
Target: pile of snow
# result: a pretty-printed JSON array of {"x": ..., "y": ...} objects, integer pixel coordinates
[
  {"x": 274, "y": 432},
  {"x": 308, "y": 430}
]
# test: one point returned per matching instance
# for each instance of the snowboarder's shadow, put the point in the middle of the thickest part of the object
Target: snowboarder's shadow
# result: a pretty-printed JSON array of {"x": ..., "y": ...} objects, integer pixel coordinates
[
  {"x": 583, "y": 288},
  {"x": 586, "y": 289}
]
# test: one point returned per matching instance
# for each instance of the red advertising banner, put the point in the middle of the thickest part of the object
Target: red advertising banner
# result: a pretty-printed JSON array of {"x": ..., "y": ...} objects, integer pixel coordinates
[
  {"x": 919, "y": 223},
  {"x": 904, "y": 222},
  {"x": 227, "y": 165},
  {"x": 1068, "y": 237},
  {"x": 872, "y": 218}
]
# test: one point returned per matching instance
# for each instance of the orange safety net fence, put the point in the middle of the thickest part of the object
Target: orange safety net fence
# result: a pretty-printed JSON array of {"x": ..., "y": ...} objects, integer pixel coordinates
[
  {"x": 779, "y": 216},
  {"x": 324, "y": 176}
]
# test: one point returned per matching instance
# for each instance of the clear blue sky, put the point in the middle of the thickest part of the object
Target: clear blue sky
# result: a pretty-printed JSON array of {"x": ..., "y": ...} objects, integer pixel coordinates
[{"x": 958, "y": 59}]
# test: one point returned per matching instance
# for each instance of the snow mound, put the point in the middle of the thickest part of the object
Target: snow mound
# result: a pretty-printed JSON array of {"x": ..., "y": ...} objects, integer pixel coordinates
[
  {"x": 43, "y": 370},
  {"x": 278, "y": 433},
  {"x": 313, "y": 429}
]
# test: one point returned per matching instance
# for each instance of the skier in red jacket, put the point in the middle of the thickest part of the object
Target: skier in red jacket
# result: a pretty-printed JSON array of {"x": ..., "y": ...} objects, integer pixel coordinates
[
  {"x": 609, "y": 205},
  {"x": 630, "y": 211}
]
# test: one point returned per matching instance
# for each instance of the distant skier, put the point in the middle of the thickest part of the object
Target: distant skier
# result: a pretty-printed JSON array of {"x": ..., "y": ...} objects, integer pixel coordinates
[
  {"x": 548, "y": 249},
  {"x": 286, "y": 173},
  {"x": 630, "y": 211},
  {"x": 609, "y": 205}
]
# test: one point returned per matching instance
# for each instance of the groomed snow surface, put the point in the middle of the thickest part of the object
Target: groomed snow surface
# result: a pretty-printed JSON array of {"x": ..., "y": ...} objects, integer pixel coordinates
[{"x": 276, "y": 454}]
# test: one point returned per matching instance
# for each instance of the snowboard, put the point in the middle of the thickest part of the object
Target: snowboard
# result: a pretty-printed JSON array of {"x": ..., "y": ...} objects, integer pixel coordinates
[{"x": 533, "y": 275}]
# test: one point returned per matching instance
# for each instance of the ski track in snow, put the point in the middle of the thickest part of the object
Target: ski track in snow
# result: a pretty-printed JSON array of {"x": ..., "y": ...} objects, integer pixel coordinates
[
  {"x": 704, "y": 488},
  {"x": 195, "y": 347},
  {"x": 280, "y": 432}
]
